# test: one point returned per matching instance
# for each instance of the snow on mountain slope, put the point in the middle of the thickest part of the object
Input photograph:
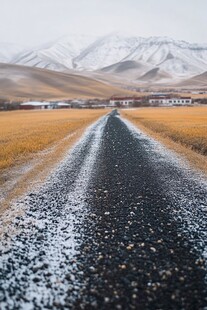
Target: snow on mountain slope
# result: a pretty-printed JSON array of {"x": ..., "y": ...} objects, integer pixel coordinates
[
  {"x": 38, "y": 59},
  {"x": 155, "y": 75},
  {"x": 106, "y": 51},
  {"x": 56, "y": 56},
  {"x": 123, "y": 67},
  {"x": 66, "y": 49},
  {"x": 178, "y": 58},
  {"x": 128, "y": 69},
  {"x": 8, "y": 51},
  {"x": 129, "y": 57}
]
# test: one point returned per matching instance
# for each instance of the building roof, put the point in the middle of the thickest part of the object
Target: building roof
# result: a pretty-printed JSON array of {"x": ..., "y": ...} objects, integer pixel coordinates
[
  {"x": 125, "y": 98},
  {"x": 169, "y": 98},
  {"x": 63, "y": 104},
  {"x": 35, "y": 103}
]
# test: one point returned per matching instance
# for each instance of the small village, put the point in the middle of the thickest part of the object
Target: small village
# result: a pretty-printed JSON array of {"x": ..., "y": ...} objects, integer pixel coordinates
[{"x": 152, "y": 100}]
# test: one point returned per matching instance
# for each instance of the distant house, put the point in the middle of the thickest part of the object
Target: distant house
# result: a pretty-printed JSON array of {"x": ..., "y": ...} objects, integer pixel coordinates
[
  {"x": 35, "y": 105},
  {"x": 61, "y": 105},
  {"x": 78, "y": 103},
  {"x": 123, "y": 101},
  {"x": 170, "y": 101}
]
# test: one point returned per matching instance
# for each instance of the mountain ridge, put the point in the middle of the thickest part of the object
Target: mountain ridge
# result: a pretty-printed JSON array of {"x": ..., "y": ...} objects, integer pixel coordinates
[{"x": 178, "y": 60}]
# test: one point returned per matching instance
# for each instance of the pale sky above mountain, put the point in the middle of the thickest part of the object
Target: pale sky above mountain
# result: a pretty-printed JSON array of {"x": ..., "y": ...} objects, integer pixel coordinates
[{"x": 34, "y": 22}]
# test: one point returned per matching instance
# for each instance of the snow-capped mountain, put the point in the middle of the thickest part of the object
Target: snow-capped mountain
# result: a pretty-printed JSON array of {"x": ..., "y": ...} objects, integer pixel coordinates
[
  {"x": 133, "y": 58},
  {"x": 177, "y": 58},
  {"x": 57, "y": 55},
  {"x": 106, "y": 51}
]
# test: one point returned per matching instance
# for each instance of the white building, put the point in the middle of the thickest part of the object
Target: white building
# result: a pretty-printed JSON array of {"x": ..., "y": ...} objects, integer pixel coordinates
[
  {"x": 35, "y": 105},
  {"x": 62, "y": 105},
  {"x": 123, "y": 101},
  {"x": 171, "y": 101}
]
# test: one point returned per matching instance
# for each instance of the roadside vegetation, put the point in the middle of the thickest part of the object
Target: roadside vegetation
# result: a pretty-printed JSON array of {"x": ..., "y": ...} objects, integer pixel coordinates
[
  {"x": 24, "y": 133},
  {"x": 184, "y": 125}
]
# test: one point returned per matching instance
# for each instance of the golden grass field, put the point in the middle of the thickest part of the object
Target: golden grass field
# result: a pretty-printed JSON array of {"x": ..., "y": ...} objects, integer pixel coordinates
[
  {"x": 185, "y": 125},
  {"x": 23, "y": 133}
]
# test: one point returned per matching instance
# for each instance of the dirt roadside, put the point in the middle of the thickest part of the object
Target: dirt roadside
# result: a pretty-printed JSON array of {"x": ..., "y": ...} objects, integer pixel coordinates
[
  {"x": 195, "y": 160},
  {"x": 16, "y": 181}
]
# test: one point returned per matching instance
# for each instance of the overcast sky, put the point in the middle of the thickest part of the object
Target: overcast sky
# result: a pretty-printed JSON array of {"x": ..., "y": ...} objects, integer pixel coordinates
[{"x": 33, "y": 22}]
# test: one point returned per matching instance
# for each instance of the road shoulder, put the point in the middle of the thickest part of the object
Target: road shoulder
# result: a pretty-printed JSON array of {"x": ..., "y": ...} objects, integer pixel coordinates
[
  {"x": 194, "y": 160},
  {"x": 20, "y": 179}
]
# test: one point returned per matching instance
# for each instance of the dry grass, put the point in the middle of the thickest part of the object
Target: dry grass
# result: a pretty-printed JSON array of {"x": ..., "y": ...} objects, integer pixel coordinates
[
  {"x": 17, "y": 180},
  {"x": 21, "y": 82},
  {"x": 23, "y": 133},
  {"x": 33, "y": 143},
  {"x": 187, "y": 126},
  {"x": 183, "y": 129},
  {"x": 193, "y": 96}
]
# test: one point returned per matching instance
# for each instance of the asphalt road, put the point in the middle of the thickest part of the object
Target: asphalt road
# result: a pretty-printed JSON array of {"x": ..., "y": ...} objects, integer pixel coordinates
[{"x": 120, "y": 224}]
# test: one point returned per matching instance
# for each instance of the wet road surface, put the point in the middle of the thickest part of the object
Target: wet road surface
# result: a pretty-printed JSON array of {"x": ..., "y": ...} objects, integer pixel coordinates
[{"x": 120, "y": 224}]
